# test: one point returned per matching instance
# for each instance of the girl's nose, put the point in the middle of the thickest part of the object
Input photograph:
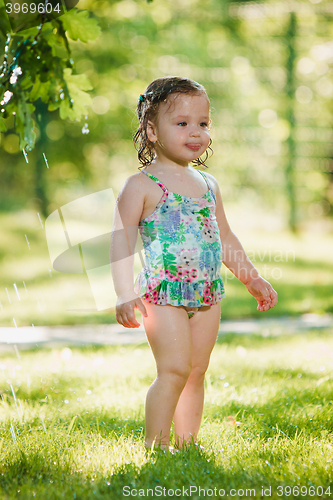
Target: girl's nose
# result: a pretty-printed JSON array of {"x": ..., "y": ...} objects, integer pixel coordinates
[{"x": 195, "y": 132}]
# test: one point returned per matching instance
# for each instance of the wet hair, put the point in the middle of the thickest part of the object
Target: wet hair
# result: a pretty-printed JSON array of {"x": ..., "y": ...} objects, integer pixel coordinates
[{"x": 147, "y": 109}]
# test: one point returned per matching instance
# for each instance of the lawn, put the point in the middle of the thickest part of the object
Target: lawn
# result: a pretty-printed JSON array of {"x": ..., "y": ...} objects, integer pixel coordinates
[
  {"x": 299, "y": 267},
  {"x": 75, "y": 428}
]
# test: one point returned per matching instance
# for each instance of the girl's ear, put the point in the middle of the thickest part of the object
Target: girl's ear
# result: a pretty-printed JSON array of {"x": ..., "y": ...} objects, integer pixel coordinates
[{"x": 151, "y": 131}]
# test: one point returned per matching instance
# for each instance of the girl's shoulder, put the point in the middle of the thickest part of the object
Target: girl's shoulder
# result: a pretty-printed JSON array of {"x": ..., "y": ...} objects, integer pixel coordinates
[
  {"x": 136, "y": 181},
  {"x": 138, "y": 185}
]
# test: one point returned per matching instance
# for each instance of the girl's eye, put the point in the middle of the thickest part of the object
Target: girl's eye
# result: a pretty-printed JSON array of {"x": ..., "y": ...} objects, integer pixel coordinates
[
  {"x": 182, "y": 124},
  {"x": 204, "y": 124}
]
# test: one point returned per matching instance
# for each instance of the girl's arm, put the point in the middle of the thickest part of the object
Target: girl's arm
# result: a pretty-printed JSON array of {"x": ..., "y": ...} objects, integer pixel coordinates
[
  {"x": 127, "y": 215},
  {"x": 235, "y": 259}
]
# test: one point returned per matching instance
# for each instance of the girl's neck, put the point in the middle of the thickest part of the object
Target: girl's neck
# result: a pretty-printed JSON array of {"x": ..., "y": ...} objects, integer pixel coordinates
[{"x": 167, "y": 164}]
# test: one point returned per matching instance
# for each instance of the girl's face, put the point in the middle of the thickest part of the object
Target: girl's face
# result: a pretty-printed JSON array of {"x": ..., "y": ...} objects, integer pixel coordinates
[{"x": 180, "y": 132}]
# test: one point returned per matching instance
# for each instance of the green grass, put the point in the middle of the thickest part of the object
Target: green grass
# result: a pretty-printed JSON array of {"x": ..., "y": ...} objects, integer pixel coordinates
[
  {"x": 79, "y": 421},
  {"x": 299, "y": 267}
]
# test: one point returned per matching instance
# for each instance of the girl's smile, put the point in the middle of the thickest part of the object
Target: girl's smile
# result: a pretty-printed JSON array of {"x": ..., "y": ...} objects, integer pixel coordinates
[{"x": 180, "y": 132}]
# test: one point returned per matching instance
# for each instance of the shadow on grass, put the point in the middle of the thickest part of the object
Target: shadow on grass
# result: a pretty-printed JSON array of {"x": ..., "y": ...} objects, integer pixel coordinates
[
  {"x": 43, "y": 472},
  {"x": 47, "y": 468}
]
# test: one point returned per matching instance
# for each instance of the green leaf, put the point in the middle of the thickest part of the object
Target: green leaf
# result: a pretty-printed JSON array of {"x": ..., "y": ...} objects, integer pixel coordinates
[
  {"x": 76, "y": 85},
  {"x": 79, "y": 25},
  {"x": 173, "y": 270},
  {"x": 25, "y": 123},
  {"x": 178, "y": 197},
  {"x": 3, "y": 127},
  {"x": 5, "y": 26},
  {"x": 25, "y": 82},
  {"x": 40, "y": 89},
  {"x": 204, "y": 212},
  {"x": 169, "y": 258},
  {"x": 80, "y": 81}
]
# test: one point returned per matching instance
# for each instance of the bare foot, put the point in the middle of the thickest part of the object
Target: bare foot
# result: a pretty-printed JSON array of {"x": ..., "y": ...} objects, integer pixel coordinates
[{"x": 162, "y": 447}]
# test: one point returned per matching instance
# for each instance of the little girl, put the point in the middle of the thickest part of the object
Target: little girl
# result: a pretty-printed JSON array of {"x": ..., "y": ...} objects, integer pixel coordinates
[{"x": 186, "y": 237}]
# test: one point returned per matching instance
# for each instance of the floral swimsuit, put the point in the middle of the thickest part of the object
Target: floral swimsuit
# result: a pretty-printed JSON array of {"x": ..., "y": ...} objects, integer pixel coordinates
[{"x": 183, "y": 252}]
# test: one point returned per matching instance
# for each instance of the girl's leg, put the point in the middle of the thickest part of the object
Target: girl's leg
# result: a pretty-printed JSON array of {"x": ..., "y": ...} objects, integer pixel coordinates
[
  {"x": 169, "y": 335},
  {"x": 204, "y": 329}
]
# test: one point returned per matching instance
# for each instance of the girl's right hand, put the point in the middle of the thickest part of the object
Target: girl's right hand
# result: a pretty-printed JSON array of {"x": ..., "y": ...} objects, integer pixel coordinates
[{"x": 125, "y": 314}]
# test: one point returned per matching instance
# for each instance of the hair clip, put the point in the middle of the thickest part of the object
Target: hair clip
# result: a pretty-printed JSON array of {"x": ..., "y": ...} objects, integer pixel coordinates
[{"x": 142, "y": 97}]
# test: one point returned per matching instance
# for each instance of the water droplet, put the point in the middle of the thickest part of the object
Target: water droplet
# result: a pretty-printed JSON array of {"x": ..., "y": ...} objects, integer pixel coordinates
[
  {"x": 13, "y": 433},
  {"x": 62, "y": 95},
  {"x": 17, "y": 292},
  {"x": 45, "y": 160},
  {"x": 85, "y": 129},
  {"x": 8, "y": 296},
  {"x": 19, "y": 357},
  {"x": 40, "y": 220}
]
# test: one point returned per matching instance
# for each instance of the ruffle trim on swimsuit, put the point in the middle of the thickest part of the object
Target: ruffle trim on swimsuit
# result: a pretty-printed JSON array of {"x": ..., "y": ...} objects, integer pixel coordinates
[{"x": 179, "y": 293}]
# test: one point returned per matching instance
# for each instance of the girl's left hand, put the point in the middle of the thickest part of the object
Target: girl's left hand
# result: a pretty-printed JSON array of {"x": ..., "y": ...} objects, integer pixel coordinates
[{"x": 263, "y": 292}]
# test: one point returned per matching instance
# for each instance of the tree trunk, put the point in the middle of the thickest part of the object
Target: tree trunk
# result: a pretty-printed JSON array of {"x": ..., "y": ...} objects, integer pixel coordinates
[
  {"x": 40, "y": 165},
  {"x": 289, "y": 172}
]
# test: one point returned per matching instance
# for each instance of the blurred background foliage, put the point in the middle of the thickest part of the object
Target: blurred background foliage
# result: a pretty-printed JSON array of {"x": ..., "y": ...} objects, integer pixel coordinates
[{"x": 267, "y": 68}]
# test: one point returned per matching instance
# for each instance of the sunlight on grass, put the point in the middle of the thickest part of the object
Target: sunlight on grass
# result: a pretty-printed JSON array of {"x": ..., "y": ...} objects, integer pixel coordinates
[{"x": 76, "y": 425}]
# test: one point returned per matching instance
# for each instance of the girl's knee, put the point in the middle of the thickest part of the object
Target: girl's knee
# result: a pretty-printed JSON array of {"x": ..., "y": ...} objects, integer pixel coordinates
[
  {"x": 181, "y": 372},
  {"x": 178, "y": 373},
  {"x": 198, "y": 373}
]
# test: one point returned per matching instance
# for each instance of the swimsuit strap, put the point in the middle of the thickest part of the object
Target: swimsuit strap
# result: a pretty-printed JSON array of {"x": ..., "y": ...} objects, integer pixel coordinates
[
  {"x": 208, "y": 184},
  {"x": 160, "y": 184},
  {"x": 206, "y": 179},
  {"x": 166, "y": 192}
]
